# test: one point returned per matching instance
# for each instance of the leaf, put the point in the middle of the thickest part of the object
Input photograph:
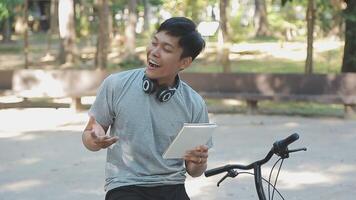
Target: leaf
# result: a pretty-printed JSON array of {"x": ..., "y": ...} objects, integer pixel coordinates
[{"x": 285, "y": 1}]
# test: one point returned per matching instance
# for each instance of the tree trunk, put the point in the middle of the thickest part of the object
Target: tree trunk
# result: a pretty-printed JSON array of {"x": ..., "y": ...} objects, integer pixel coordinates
[
  {"x": 103, "y": 36},
  {"x": 310, "y": 24},
  {"x": 349, "y": 60},
  {"x": 6, "y": 30},
  {"x": 261, "y": 20},
  {"x": 53, "y": 23},
  {"x": 146, "y": 15},
  {"x": 66, "y": 32},
  {"x": 224, "y": 49},
  {"x": 130, "y": 30},
  {"x": 25, "y": 48}
]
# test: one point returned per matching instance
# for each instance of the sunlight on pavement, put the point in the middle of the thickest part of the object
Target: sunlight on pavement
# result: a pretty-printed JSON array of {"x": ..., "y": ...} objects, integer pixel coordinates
[
  {"x": 28, "y": 161},
  {"x": 296, "y": 180},
  {"x": 37, "y": 119},
  {"x": 21, "y": 185},
  {"x": 300, "y": 179},
  {"x": 291, "y": 124}
]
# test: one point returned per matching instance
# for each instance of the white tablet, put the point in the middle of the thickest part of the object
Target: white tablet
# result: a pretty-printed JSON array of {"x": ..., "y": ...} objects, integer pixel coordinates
[{"x": 190, "y": 136}]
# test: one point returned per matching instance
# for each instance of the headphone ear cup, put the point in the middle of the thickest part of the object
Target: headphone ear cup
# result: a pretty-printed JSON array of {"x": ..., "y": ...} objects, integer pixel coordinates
[
  {"x": 164, "y": 94},
  {"x": 148, "y": 85}
]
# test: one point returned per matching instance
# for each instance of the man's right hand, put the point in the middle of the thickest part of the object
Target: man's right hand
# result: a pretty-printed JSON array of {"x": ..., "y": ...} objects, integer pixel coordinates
[
  {"x": 99, "y": 137},
  {"x": 95, "y": 138}
]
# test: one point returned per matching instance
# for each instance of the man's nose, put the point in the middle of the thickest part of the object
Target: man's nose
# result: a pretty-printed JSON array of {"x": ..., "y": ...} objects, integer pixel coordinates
[{"x": 156, "y": 51}]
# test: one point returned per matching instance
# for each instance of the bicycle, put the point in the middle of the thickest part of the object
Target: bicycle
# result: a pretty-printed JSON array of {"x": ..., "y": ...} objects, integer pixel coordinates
[{"x": 280, "y": 148}]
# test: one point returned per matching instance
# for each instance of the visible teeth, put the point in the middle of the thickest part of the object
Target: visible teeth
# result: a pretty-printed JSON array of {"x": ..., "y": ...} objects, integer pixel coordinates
[{"x": 153, "y": 64}]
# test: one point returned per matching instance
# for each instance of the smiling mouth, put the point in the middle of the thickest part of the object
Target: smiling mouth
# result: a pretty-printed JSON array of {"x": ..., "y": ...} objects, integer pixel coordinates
[{"x": 153, "y": 64}]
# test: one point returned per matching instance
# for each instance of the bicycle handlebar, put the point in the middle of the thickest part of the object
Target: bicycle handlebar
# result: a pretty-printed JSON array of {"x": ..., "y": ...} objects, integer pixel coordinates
[
  {"x": 279, "y": 148},
  {"x": 282, "y": 144}
]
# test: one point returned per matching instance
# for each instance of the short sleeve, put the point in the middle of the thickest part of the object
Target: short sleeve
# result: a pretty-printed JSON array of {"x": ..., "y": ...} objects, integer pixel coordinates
[
  {"x": 203, "y": 117},
  {"x": 102, "y": 108},
  {"x": 202, "y": 114}
]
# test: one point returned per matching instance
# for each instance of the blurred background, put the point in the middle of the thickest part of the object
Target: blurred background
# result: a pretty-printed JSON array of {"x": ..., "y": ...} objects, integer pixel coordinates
[{"x": 259, "y": 36}]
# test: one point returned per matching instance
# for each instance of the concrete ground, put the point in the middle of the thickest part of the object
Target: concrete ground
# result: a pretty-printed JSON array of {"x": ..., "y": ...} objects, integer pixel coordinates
[{"x": 42, "y": 157}]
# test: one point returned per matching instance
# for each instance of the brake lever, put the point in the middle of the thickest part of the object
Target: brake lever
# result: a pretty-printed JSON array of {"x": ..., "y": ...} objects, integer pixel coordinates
[
  {"x": 296, "y": 150},
  {"x": 230, "y": 173}
]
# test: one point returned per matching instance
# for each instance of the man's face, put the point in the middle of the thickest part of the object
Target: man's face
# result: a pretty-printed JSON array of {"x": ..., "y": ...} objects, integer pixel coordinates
[{"x": 164, "y": 58}]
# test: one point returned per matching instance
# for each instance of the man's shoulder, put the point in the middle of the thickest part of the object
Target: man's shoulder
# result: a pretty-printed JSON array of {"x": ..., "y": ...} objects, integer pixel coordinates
[
  {"x": 127, "y": 73},
  {"x": 124, "y": 75},
  {"x": 189, "y": 92}
]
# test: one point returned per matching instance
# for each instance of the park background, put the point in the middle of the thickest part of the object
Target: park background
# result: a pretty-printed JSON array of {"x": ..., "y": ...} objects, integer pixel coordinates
[{"x": 261, "y": 36}]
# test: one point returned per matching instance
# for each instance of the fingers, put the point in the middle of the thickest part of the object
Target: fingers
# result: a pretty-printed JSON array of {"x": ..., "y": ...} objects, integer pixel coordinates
[
  {"x": 198, "y": 156},
  {"x": 105, "y": 141},
  {"x": 102, "y": 141}
]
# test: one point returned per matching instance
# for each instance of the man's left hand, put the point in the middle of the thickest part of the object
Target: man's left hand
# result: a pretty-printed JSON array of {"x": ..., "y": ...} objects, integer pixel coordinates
[{"x": 198, "y": 156}]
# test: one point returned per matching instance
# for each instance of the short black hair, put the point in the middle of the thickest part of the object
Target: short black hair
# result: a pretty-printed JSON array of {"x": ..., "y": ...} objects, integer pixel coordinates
[{"x": 189, "y": 38}]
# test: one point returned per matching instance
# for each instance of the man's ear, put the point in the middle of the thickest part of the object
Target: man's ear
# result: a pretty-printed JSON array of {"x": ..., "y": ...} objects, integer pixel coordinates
[{"x": 185, "y": 63}]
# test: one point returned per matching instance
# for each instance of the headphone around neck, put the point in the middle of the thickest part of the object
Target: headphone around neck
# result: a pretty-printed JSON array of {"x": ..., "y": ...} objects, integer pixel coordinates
[{"x": 164, "y": 93}]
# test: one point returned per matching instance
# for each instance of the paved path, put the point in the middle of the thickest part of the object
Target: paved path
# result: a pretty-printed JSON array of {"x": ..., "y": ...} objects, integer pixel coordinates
[{"x": 41, "y": 157}]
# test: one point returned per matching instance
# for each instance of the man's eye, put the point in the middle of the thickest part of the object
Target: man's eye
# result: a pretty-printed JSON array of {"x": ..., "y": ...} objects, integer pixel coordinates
[{"x": 168, "y": 50}]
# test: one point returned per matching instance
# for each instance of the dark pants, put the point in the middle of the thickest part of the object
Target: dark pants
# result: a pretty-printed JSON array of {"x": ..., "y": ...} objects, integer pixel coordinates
[{"x": 132, "y": 192}]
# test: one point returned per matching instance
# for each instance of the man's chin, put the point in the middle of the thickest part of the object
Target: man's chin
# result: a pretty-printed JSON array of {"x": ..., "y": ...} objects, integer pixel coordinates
[{"x": 149, "y": 74}]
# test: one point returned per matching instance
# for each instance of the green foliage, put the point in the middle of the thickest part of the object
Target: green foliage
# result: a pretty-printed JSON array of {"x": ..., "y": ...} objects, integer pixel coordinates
[
  {"x": 285, "y": 1},
  {"x": 156, "y": 2},
  {"x": 4, "y": 12},
  {"x": 238, "y": 32},
  {"x": 7, "y": 7},
  {"x": 130, "y": 63},
  {"x": 118, "y": 5},
  {"x": 83, "y": 25}
]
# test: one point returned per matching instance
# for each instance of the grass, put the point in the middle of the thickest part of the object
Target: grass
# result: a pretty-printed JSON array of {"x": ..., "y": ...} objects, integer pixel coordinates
[
  {"x": 10, "y": 49},
  {"x": 305, "y": 109},
  {"x": 251, "y": 66},
  {"x": 302, "y": 108}
]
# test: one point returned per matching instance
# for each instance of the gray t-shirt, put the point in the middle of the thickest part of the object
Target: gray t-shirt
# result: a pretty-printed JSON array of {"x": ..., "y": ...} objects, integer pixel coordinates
[{"x": 145, "y": 128}]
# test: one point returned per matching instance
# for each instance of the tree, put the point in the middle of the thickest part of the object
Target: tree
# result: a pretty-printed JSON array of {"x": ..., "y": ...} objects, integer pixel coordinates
[
  {"x": 261, "y": 20},
  {"x": 310, "y": 17},
  {"x": 53, "y": 28},
  {"x": 103, "y": 43},
  {"x": 146, "y": 15},
  {"x": 130, "y": 30},
  {"x": 26, "y": 33},
  {"x": 66, "y": 32},
  {"x": 310, "y": 24},
  {"x": 349, "y": 59},
  {"x": 224, "y": 49}
]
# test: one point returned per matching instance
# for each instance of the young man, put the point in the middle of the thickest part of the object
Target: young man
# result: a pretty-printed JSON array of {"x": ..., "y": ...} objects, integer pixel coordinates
[{"x": 145, "y": 108}]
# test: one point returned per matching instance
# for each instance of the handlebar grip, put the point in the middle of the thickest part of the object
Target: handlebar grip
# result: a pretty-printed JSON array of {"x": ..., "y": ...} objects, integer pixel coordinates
[
  {"x": 215, "y": 171},
  {"x": 287, "y": 141}
]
